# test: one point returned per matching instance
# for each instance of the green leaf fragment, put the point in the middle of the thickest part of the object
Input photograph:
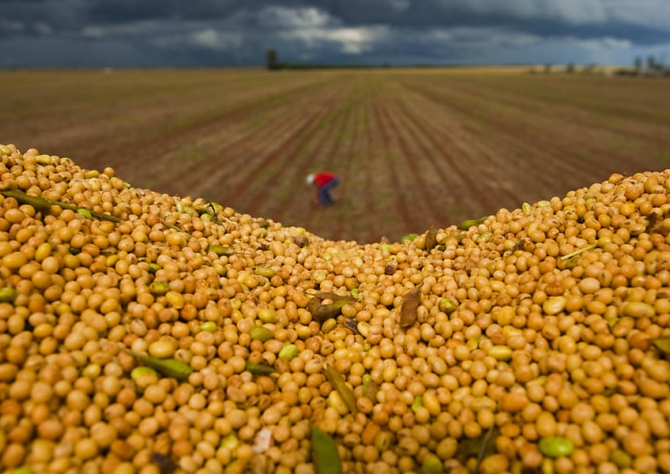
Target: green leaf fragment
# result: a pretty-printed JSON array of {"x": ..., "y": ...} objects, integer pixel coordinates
[
  {"x": 466, "y": 224},
  {"x": 258, "y": 369},
  {"x": 220, "y": 250},
  {"x": 168, "y": 367},
  {"x": 325, "y": 453}
]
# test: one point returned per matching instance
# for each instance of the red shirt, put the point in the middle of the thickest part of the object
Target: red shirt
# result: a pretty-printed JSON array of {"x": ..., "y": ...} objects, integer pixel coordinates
[{"x": 323, "y": 178}]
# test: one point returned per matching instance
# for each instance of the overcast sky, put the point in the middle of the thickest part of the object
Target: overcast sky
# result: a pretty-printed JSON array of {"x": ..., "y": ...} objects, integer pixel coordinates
[{"x": 99, "y": 33}]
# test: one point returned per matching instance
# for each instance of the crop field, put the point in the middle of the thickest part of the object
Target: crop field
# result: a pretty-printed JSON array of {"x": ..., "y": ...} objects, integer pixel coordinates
[{"x": 413, "y": 147}]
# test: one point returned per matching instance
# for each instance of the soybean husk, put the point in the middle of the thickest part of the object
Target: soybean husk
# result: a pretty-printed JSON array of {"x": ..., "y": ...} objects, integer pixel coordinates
[
  {"x": 321, "y": 312},
  {"x": 410, "y": 305},
  {"x": 212, "y": 211},
  {"x": 465, "y": 225},
  {"x": 325, "y": 453},
  {"x": 258, "y": 369},
  {"x": 352, "y": 324},
  {"x": 662, "y": 344},
  {"x": 430, "y": 243},
  {"x": 345, "y": 392},
  {"x": 164, "y": 463},
  {"x": 168, "y": 367},
  {"x": 301, "y": 241},
  {"x": 481, "y": 446}
]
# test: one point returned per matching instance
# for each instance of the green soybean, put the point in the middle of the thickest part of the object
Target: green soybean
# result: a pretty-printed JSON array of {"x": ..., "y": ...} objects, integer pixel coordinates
[
  {"x": 288, "y": 352},
  {"x": 159, "y": 288},
  {"x": 432, "y": 465},
  {"x": 7, "y": 295},
  {"x": 556, "y": 447}
]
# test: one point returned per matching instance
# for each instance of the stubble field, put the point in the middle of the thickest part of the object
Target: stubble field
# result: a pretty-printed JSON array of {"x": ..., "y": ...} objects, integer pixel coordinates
[{"x": 413, "y": 147}]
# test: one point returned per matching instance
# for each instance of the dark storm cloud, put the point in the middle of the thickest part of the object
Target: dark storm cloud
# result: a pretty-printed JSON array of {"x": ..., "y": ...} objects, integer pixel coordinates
[{"x": 237, "y": 32}]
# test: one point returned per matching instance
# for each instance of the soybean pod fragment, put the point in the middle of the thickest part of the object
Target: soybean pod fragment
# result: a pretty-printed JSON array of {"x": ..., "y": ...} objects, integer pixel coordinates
[
  {"x": 662, "y": 344},
  {"x": 168, "y": 367},
  {"x": 322, "y": 312},
  {"x": 409, "y": 307},
  {"x": 339, "y": 384},
  {"x": 325, "y": 453},
  {"x": 465, "y": 225}
]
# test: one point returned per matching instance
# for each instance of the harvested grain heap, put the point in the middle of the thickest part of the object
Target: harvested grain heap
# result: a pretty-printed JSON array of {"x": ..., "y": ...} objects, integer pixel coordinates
[{"x": 141, "y": 332}]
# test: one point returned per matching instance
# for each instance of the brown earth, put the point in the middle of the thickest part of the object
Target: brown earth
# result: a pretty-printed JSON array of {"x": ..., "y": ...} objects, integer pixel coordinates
[{"x": 414, "y": 148}]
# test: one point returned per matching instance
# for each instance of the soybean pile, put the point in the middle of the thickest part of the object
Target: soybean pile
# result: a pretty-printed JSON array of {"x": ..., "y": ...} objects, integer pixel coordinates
[{"x": 143, "y": 332}]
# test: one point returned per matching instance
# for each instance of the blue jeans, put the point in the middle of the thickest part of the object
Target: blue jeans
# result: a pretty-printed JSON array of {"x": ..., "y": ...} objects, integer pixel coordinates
[{"x": 324, "y": 195}]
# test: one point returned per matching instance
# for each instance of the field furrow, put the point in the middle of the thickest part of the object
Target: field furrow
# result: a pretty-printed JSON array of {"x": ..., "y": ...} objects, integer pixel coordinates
[
  {"x": 421, "y": 179},
  {"x": 248, "y": 181},
  {"x": 392, "y": 182},
  {"x": 292, "y": 191},
  {"x": 473, "y": 155},
  {"x": 232, "y": 155},
  {"x": 581, "y": 163},
  {"x": 332, "y": 156}
]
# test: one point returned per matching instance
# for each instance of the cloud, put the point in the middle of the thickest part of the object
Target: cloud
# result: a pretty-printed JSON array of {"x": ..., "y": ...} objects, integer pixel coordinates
[
  {"x": 11, "y": 26},
  {"x": 283, "y": 17},
  {"x": 237, "y": 32},
  {"x": 350, "y": 40},
  {"x": 210, "y": 38}
]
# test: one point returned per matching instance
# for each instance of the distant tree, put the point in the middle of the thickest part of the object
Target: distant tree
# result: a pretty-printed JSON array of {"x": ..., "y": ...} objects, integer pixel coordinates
[
  {"x": 547, "y": 68},
  {"x": 271, "y": 61},
  {"x": 651, "y": 63},
  {"x": 638, "y": 65},
  {"x": 570, "y": 68}
]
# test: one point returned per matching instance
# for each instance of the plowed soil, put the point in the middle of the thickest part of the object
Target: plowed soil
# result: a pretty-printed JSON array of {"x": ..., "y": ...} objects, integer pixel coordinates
[{"x": 413, "y": 148}]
